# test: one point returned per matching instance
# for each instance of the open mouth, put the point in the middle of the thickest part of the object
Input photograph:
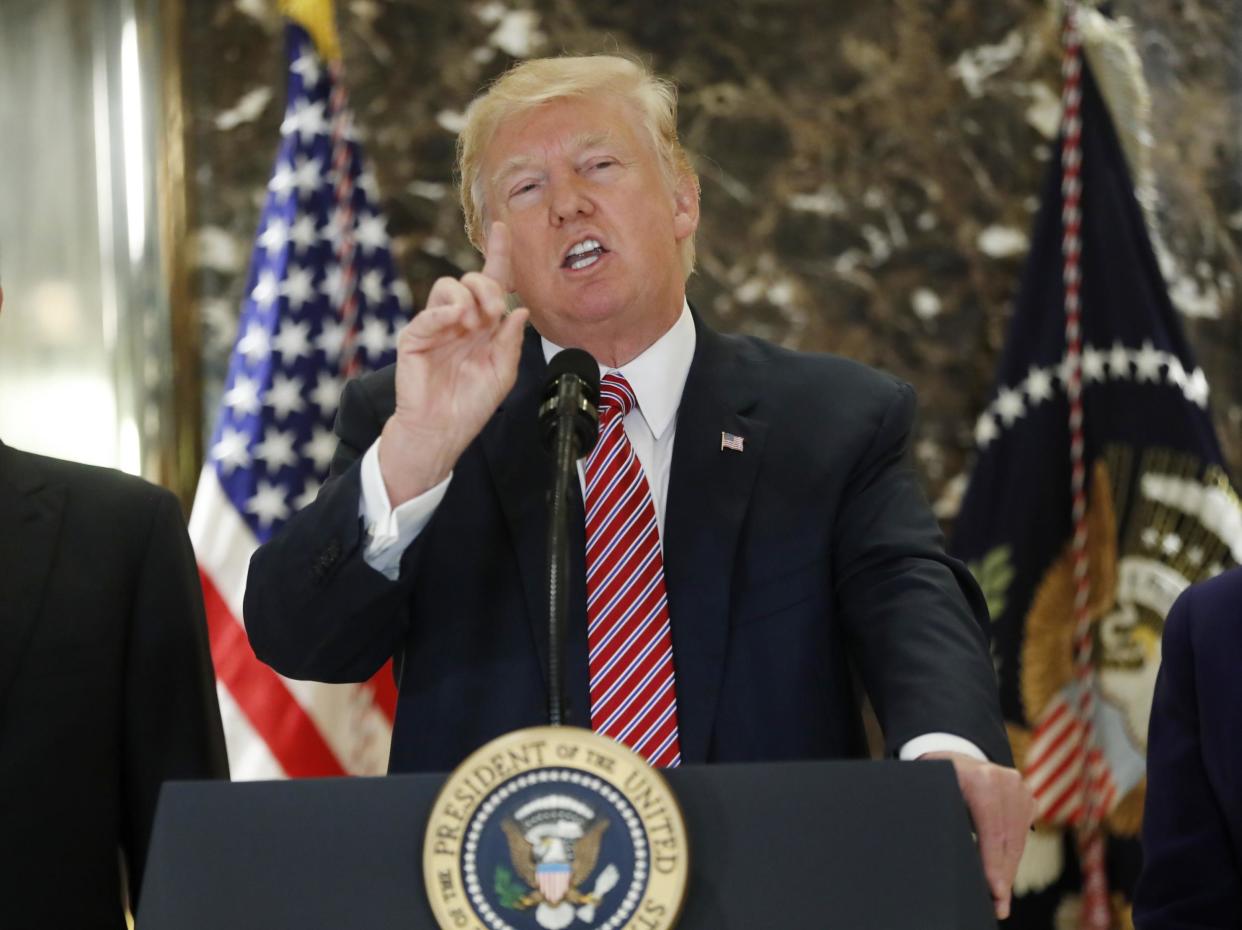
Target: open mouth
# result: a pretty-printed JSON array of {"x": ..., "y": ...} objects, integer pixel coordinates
[{"x": 583, "y": 255}]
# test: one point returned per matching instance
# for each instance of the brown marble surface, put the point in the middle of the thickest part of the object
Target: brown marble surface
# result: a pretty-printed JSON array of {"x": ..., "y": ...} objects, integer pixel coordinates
[{"x": 869, "y": 167}]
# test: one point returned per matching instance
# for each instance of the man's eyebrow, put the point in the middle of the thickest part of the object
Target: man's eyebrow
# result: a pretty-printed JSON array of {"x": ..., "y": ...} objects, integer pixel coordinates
[
  {"x": 511, "y": 166},
  {"x": 590, "y": 140}
]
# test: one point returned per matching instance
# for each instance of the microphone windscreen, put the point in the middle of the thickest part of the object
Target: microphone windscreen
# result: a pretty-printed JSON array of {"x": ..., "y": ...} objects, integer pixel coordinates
[
  {"x": 580, "y": 374},
  {"x": 578, "y": 362}
]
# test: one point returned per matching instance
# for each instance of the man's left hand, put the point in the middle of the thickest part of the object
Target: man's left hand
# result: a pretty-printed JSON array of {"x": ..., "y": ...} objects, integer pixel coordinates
[{"x": 1002, "y": 809}]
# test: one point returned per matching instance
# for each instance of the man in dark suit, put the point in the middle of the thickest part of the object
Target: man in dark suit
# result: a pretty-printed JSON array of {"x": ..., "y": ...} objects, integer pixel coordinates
[
  {"x": 783, "y": 543},
  {"x": 1192, "y": 818},
  {"x": 106, "y": 685}
]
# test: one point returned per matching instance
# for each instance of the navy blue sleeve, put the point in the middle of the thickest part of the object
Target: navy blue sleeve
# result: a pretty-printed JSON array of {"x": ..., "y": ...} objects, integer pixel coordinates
[
  {"x": 915, "y": 616},
  {"x": 314, "y": 608},
  {"x": 1190, "y": 876}
]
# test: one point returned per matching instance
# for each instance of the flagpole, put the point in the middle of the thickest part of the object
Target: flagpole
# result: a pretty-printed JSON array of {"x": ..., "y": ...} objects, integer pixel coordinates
[{"x": 1095, "y": 900}]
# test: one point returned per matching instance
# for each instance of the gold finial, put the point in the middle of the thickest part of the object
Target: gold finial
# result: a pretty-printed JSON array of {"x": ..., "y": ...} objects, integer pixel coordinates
[{"x": 317, "y": 18}]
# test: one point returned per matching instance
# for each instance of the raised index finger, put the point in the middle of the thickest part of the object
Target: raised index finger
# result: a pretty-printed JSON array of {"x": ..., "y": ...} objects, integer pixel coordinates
[{"x": 496, "y": 264}]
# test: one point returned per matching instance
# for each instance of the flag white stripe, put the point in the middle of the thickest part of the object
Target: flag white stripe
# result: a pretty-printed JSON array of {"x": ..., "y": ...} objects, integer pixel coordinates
[
  {"x": 249, "y": 756},
  {"x": 1037, "y": 778},
  {"x": 223, "y": 543},
  {"x": 1044, "y": 742},
  {"x": 1068, "y": 780},
  {"x": 1043, "y": 762}
]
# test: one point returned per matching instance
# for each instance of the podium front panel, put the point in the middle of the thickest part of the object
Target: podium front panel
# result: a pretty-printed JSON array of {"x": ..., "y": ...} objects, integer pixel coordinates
[{"x": 854, "y": 845}]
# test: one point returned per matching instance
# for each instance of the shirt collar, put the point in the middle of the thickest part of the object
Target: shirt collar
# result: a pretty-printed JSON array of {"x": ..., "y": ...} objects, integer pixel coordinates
[{"x": 658, "y": 375}]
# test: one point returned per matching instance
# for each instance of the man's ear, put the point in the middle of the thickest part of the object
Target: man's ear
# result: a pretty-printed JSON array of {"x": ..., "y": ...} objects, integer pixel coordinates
[{"x": 685, "y": 207}]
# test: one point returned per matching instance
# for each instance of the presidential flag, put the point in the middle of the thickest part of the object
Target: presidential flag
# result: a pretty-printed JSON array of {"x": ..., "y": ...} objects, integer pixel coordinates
[
  {"x": 1099, "y": 493},
  {"x": 322, "y": 303}
]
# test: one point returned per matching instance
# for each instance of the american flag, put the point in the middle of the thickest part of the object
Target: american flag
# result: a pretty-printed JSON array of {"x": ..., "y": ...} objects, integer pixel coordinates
[{"x": 322, "y": 302}]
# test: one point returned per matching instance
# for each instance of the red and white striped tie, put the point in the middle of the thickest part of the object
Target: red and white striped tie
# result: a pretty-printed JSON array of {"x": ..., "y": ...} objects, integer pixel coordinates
[{"x": 631, "y": 646}]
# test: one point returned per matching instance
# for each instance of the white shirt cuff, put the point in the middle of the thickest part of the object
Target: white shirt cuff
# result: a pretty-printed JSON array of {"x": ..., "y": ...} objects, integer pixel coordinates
[
  {"x": 939, "y": 742},
  {"x": 390, "y": 531}
]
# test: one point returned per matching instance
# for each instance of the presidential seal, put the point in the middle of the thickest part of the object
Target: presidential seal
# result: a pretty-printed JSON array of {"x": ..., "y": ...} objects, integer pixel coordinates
[
  {"x": 1158, "y": 521},
  {"x": 551, "y": 828}
]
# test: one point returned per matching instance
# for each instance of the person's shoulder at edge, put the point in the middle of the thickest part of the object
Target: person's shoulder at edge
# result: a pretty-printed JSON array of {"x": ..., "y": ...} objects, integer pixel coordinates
[
  {"x": 1209, "y": 608},
  {"x": 101, "y": 486}
]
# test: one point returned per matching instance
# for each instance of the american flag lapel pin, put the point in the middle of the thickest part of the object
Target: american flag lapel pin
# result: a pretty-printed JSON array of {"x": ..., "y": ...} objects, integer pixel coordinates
[{"x": 731, "y": 441}]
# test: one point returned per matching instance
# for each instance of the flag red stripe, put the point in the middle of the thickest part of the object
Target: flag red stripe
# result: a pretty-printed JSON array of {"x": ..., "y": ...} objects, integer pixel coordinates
[
  {"x": 275, "y": 714},
  {"x": 1049, "y": 766},
  {"x": 1056, "y": 813},
  {"x": 1047, "y": 781},
  {"x": 1070, "y": 728}
]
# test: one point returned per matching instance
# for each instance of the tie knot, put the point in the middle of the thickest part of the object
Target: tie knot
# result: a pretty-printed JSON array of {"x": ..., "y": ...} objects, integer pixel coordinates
[{"x": 615, "y": 394}]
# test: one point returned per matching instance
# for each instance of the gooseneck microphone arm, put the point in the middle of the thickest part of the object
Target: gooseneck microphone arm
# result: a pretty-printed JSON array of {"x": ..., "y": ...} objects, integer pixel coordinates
[{"x": 569, "y": 419}]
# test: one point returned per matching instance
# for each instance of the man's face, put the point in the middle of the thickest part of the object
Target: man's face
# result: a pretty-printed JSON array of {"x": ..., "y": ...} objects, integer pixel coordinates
[{"x": 594, "y": 225}]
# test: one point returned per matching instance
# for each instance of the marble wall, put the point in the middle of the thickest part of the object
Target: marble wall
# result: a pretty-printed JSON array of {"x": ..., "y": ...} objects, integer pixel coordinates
[{"x": 869, "y": 167}]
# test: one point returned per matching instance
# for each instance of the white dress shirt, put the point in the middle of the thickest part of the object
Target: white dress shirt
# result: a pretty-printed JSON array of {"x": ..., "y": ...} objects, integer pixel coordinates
[{"x": 657, "y": 377}]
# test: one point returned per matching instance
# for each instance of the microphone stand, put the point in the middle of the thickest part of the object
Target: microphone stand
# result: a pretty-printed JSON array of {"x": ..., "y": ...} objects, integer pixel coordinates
[{"x": 565, "y": 454}]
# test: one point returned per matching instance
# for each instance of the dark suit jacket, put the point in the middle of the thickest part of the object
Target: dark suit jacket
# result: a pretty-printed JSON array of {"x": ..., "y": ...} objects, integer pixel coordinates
[
  {"x": 811, "y": 548},
  {"x": 106, "y": 686},
  {"x": 1192, "y": 823}
]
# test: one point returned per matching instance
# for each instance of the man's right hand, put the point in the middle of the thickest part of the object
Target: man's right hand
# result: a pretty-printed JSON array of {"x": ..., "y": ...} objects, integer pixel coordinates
[{"x": 456, "y": 361}]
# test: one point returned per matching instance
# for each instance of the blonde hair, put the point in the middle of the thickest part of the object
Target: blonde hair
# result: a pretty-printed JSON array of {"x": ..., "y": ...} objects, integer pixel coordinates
[{"x": 541, "y": 80}]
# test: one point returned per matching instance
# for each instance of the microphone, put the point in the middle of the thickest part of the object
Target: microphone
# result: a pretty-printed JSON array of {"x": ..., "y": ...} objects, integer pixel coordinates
[
  {"x": 568, "y": 426},
  {"x": 571, "y": 398}
]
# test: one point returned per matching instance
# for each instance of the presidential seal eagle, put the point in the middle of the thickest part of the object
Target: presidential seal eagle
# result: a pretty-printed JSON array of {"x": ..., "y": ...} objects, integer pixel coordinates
[{"x": 554, "y": 844}]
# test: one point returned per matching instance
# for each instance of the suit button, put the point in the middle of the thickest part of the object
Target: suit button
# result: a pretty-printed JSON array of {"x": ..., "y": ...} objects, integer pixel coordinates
[{"x": 327, "y": 558}]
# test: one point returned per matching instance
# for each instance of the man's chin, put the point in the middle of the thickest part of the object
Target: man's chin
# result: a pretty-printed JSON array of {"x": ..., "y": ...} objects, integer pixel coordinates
[{"x": 576, "y": 315}]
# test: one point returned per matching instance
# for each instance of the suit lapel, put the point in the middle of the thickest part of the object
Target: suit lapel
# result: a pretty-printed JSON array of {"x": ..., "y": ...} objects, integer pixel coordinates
[
  {"x": 708, "y": 495},
  {"x": 30, "y": 516},
  {"x": 521, "y": 471}
]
